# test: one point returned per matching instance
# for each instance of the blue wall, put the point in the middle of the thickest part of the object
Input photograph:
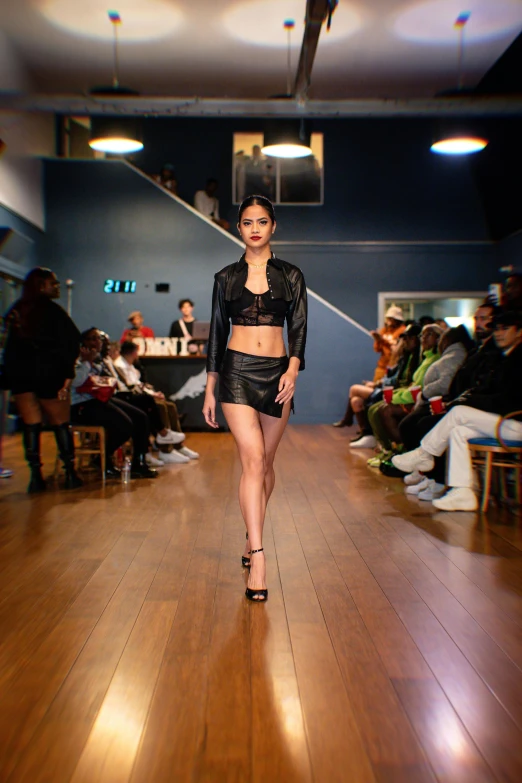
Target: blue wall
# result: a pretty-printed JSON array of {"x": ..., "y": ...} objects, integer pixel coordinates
[
  {"x": 381, "y": 180},
  {"x": 509, "y": 252},
  {"x": 352, "y": 277},
  {"x": 381, "y": 185},
  {"x": 105, "y": 220}
]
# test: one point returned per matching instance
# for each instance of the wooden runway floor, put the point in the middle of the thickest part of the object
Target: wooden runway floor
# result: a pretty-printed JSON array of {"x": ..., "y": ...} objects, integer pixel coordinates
[{"x": 390, "y": 648}]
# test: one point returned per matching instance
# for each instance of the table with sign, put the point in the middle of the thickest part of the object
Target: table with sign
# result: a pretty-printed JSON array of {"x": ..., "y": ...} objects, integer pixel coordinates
[{"x": 180, "y": 375}]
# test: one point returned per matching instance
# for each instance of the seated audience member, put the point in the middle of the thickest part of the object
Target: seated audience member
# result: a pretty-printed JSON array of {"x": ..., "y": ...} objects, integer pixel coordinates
[
  {"x": 121, "y": 421},
  {"x": 481, "y": 361},
  {"x": 167, "y": 409},
  {"x": 167, "y": 178},
  {"x": 145, "y": 402},
  {"x": 386, "y": 337},
  {"x": 207, "y": 203},
  {"x": 137, "y": 329},
  {"x": 404, "y": 361},
  {"x": 476, "y": 413},
  {"x": 454, "y": 347},
  {"x": 483, "y": 323},
  {"x": 384, "y": 418},
  {"x": 384, "y": 340}
]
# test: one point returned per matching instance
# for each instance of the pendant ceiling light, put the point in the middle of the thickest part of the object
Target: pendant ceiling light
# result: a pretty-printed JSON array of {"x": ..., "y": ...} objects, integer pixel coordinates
[
  {"x": 459, "y": 145},
  {"x": 457, "y": 142},
  {"x": 116, "y": 135},
  {"x": 286, "y": 139}
]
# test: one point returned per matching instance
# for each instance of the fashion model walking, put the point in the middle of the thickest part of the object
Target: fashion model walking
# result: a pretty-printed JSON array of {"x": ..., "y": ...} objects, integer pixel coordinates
[{"x": 256, "y": 376}]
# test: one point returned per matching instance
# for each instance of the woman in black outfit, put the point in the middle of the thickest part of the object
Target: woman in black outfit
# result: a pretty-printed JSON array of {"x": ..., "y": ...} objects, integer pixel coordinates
[
  {"x": 256, "y": 377},
  {"x": 40, "y": 352}
]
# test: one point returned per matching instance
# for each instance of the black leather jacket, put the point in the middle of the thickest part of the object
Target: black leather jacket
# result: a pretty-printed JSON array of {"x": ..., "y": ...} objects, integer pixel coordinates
[{"x": 285, "y": 281}]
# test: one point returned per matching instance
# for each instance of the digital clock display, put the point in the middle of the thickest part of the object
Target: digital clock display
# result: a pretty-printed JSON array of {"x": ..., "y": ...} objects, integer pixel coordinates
[{"x": 119, "y": 287}]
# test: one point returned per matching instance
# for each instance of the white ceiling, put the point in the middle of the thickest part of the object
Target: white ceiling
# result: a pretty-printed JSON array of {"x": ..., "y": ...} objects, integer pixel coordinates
[{"x": 237, "y": 48}]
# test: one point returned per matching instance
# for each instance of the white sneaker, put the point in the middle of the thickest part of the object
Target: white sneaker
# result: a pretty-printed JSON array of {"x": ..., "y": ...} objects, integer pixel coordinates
[
  {"x": 170, "y": 438},
  {"x": 188, "y": 452},
  {"x": 413, "y": 478},
  {"x": 418, "y": 459},
  {"x": 152, "y": 461},
  {"x": 457, "y": 499},
  {"x": 172, "y": 457},
  {"x": 432, "y": 491},
  {"x": 414, "y": 489},
  {"x": 365, "y": 442}
]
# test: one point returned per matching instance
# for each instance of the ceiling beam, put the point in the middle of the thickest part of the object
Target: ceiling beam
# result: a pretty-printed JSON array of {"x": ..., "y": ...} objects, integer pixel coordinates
[
  {"x": 316, "y": 12},
  {"x": 460, "y": 106}
]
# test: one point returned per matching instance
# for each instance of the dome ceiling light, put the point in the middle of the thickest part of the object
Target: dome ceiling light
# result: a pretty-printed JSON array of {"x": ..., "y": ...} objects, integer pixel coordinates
[
  {"x": 286, "y": 139},
  {"x": 459, "y": 145}
]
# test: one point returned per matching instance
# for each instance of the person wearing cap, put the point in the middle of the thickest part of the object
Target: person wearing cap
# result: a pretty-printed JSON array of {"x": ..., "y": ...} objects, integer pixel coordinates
[
  {"x": 136, "y": 329},
  {"x": 384, "y": 418},
  {"x": 386, "y": 337},
  {"x": 167, "y": 178},
  {"x": 384, "y": 341},
  {"x": 476, "y": 413}
]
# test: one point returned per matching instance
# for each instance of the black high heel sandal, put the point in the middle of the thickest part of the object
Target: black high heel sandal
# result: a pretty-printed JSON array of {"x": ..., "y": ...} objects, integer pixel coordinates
[
  {"x": 258, "y": 596},
  {"x": 245, "y": 561}
]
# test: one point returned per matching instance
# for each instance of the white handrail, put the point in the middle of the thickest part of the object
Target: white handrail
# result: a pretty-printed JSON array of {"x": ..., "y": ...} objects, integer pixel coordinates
[{"x": 238, "y": 242}]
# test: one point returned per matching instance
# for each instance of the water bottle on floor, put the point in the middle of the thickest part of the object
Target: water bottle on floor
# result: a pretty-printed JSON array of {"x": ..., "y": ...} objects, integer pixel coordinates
[{"x": 126, "y": 471}]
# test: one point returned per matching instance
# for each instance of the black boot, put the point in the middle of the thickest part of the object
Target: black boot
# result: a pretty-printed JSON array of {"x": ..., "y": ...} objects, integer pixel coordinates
[
  {"x": 31, "y": 438},
  {"x": 65, "y": 443},
  {"x": 140, "y": 469}
]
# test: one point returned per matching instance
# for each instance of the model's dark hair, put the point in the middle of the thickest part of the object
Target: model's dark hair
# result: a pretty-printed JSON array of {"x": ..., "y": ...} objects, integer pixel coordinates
[
  {"x": 257, "y": 201},
  {"x": 33, "y": 282},
  {"x": 128, "y": 348},
  {"x": 182, "y": 302}
]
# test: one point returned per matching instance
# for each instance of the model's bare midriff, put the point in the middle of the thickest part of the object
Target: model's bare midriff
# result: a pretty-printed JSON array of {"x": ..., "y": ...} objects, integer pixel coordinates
[{"x": 258, "y": 340}]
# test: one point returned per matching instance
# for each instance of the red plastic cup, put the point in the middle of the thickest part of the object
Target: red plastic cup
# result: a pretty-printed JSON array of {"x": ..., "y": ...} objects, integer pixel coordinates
[
  {"x": 415, "y": 391},
  {"x": 437, "y": 405},
  {"x": 387, "y": 394}
]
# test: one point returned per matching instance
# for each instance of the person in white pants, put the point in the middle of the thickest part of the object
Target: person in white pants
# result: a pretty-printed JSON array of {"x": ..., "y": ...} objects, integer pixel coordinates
[{"x": 463, "y": 422}]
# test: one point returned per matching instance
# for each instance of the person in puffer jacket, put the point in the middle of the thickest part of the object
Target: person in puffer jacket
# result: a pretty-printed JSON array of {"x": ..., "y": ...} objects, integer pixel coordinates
[
  {"x": 454, "y": 346},
  {"x": 384, "y": 419}
]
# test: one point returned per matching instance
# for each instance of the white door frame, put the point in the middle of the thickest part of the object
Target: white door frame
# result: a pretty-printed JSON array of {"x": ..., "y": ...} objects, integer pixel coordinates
[{"x": 413, "y": 295}]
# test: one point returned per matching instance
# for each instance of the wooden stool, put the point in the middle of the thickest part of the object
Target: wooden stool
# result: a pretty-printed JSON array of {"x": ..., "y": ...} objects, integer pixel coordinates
[
  {"x": 91, "y": 441},
  {"x": 483, "y": 454}
]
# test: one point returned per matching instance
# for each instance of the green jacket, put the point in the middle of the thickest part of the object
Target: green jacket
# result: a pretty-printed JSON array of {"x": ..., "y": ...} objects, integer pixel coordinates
[{"x": 403, "y": 395}]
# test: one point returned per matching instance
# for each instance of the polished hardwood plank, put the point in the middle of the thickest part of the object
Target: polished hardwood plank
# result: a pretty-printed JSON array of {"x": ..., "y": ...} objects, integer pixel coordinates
[{"x": 390, "y": 649}]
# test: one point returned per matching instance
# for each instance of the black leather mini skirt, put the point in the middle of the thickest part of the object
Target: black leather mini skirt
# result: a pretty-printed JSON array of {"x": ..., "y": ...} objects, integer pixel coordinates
[{"x": 247, "y": 379}]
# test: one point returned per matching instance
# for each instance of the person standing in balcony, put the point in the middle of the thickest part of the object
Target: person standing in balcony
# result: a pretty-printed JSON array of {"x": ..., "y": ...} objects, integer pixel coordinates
[{"x": 207, "y": 203}]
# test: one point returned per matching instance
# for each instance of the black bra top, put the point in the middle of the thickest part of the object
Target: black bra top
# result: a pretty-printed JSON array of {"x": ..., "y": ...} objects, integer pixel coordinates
[{"x": 257, "y": 310}]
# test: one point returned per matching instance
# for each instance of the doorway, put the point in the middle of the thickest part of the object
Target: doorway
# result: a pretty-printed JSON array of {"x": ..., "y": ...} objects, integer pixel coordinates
[{"x": 455, "y": 307}]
